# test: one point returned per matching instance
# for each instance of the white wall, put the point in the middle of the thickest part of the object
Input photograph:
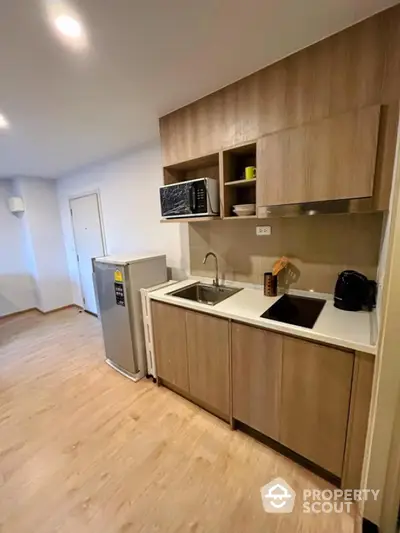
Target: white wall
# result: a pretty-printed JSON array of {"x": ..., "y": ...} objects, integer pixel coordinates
[
  {"x": 44, "y": 246},
  {"x": 128, "y": 189},
  {"x": 17, "y": 286}
]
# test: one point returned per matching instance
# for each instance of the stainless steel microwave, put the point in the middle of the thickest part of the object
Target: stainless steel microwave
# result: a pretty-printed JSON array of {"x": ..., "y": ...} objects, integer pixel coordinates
[{"x": 192, "y": 198}]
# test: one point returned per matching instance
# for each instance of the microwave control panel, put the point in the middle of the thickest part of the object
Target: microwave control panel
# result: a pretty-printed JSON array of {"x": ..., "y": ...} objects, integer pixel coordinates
[{"x": 201, "y": 199}]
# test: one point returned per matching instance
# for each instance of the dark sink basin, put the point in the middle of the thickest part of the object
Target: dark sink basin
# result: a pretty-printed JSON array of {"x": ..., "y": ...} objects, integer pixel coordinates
[
  {"x": 296, "y": 310},
  {"x": 205, "y": 294}
]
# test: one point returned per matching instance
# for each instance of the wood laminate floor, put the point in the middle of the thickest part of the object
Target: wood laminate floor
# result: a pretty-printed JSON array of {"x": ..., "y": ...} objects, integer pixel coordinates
[{"x": 83, "y": 449}]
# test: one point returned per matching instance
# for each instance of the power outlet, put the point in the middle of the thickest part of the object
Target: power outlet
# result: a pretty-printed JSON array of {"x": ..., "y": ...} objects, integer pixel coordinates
[{"x": 262, "y": 231}]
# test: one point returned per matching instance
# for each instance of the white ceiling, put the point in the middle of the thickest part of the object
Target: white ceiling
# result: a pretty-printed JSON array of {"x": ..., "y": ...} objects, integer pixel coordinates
[{"x": 145, "y": 58}]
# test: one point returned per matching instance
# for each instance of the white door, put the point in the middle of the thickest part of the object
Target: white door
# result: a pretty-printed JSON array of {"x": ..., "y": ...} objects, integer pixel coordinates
[{"x": 89, "y": 243}]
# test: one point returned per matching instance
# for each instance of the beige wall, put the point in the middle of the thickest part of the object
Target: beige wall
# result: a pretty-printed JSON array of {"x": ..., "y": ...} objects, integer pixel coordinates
[{"x": 319, "y": 247}]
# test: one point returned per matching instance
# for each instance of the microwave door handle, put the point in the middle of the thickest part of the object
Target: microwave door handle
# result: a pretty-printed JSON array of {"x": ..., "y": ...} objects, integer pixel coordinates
[{"x": 193, "y": 200}]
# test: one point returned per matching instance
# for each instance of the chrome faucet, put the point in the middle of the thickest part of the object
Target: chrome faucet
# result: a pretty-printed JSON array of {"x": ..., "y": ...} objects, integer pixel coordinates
[{"x": 216, "y": 280}]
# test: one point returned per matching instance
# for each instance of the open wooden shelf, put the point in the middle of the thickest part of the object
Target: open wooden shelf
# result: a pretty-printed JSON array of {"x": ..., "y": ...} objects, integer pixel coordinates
[
  {"x": 241, "y": 183},
  {"x": 201, "y": 167},
  {"x": 228, "y": 168},
  {"x": 198, "y": 162},
  {"x": 235, "y": 189},
  {"x": 246, "y": 217},
  {"x": 189, "y": 219}
]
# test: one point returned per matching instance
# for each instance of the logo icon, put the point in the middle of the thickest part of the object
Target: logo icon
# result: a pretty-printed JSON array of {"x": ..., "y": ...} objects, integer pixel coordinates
[{"x": 278, "y": 497}]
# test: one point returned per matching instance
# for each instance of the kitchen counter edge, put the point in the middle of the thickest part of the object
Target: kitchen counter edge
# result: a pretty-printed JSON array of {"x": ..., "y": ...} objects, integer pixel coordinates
[{"x": 220, "y": 311}]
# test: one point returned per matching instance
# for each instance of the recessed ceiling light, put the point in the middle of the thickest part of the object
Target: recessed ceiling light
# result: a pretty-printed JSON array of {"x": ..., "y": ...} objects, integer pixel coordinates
[
  {"x": 65, "y": 21},
  {"x": 4, "y": 124},
  {"x": 69, "y": 26}
]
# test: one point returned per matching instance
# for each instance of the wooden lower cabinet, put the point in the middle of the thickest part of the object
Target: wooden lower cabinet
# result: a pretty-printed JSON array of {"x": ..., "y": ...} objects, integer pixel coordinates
[
  {"x": 316, "y": 388},
  {"x": 313, "y": 399},
  {"x": 256, "y": 378},
  {"x": 361, "y": 391},
  {"x": 208, "y": 359},
  {"x": 192, "y": 353},
  {"x": 170, "y": 344}
]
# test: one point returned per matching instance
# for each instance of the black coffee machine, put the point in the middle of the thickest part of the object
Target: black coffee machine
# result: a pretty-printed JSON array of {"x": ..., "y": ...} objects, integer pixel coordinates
[{"x": 354, "y": 292}]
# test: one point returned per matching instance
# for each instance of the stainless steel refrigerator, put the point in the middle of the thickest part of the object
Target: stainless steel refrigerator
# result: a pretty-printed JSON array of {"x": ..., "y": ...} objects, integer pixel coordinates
[{"x": 118, "y": 282}]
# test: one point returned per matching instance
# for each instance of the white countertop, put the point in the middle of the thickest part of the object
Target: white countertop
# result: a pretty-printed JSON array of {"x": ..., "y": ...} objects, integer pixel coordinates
[{"x": 345, "y": 329}]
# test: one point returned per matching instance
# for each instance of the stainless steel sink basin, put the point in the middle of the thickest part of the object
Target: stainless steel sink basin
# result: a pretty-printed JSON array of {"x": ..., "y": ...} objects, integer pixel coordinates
[{"x": 205, "y": 294}]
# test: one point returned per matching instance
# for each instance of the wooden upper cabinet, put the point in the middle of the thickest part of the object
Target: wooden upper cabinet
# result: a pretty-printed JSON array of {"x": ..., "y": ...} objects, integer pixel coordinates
[
  {"x": 282, "y": 167},
  {"x": 391, "y": 82},
  {"x": 256, "y": 378},
  {"x": 386, "y": 155},
  {"x": 355, "y": 68},
  {"x": 356, "y": 65},
  {"x": 170, "y": 344},
  {"x": 341, "y": 154},
  {"x": 316, "y": 387},
  {"x": 208, "y": 356},
  {"x": 329, "y": 159}
]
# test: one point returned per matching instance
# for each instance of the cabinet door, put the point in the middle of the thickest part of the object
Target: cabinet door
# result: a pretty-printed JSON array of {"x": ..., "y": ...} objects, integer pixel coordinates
[
  {"x": 282, "y": 167},
  {"x": 341, "y": 153},
  {"x": 330, "y": 159},
  {"x": 208, "y": 355},
  {"x": 256, "y": 378},
  {"x": 316, "y": 386},
  {"x": 169, "y": 334}
]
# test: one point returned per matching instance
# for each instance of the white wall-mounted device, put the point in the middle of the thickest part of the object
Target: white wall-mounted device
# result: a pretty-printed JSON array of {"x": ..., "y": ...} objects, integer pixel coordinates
[{"x": 16, "y": 204}]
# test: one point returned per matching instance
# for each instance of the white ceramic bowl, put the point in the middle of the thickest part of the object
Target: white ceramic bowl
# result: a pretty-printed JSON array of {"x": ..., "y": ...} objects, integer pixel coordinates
[{"x": 244, "y": 210}]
